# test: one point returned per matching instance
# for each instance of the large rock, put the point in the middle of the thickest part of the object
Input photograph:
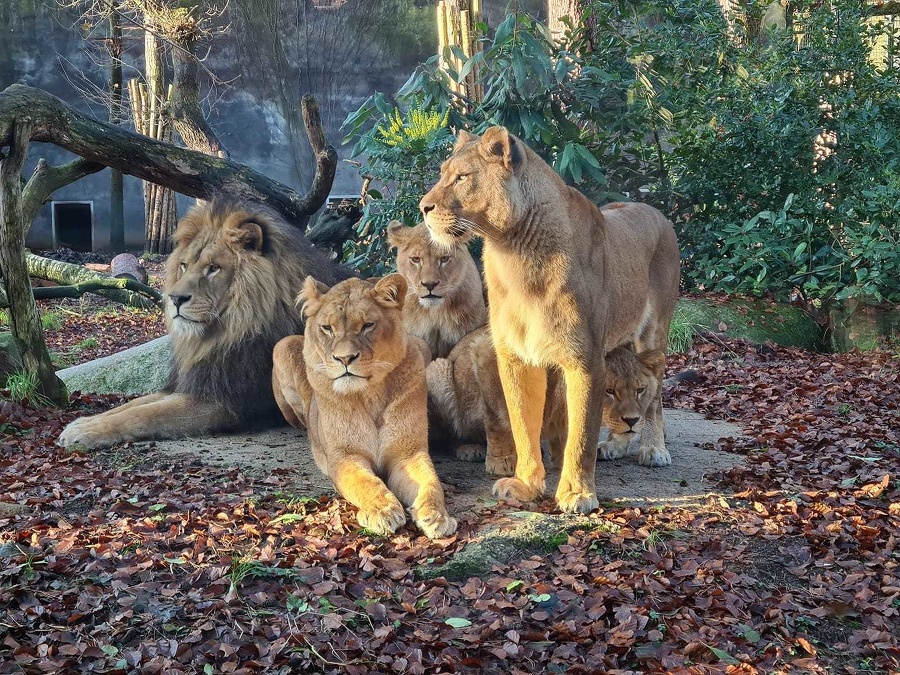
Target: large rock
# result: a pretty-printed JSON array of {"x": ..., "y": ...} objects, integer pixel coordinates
[
  {"x": 10, "y": 358},
  {"x": 139, "y": 370}
]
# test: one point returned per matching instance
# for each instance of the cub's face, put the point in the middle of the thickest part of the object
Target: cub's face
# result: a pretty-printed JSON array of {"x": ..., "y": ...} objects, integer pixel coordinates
[
  {"x": 202, "y": 268},
  {"x": 354, "y": 332},
  {"x": 432, "y": 272},
  {"x": 478, "y": 192},
  {"x": 632, "y": 382}
]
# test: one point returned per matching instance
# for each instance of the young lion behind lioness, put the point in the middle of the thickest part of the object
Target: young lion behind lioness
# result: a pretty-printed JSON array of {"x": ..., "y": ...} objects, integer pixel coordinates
[
  {"x": 356, "y": 382},
  {"x": 566, "y": 282}
]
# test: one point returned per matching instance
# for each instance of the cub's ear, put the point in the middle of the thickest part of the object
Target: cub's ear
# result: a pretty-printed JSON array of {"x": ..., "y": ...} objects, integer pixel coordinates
[
  {"x": 396, "y": 233},
  {"x": 499, "y": 145},
  {"x": 390, "y": 291},
  {"x": 310, "y": 297},
  {"x": 246, "y": 235},
  {"x": 653, "y": 360},
  {"x": 462, "y": 138}
]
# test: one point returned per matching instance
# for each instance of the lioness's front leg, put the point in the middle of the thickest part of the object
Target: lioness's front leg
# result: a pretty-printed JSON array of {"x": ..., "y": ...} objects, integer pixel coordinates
[
  {"x": 653, "y": 450},
  {"x": 155, "y": 416},
  {"x": 289, "y": 381},
  {"x": 577, "y": 490},
  {"x": 415, "y": 482},
  {"x": 353, "y": 477},
  {"x": 525, "y": 388}
]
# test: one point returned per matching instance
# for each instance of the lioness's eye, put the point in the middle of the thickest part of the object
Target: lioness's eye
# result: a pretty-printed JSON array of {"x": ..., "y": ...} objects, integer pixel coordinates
[
  {"x": 445, "y": 259},
  {"x": 182, "y": 267},
  {"x": 415, "y": 260},
  {"x": 461, "y": 177},
  {"x": 369, "y": 325},
  {"x": 326, "y": 329},
  {"x": 640, "y": 392}
]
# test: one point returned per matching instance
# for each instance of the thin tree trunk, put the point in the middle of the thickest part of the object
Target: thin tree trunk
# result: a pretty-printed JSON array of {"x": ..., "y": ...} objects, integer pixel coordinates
[
  {"x": 184, "y": 104},
  {"x": 185, "y": 171},
  {"x": 24, "y": 318},
  {"x": 116, "y": 184}
]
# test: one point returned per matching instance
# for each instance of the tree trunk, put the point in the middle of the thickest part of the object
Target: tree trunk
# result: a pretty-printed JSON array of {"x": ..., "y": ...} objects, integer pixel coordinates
[
  {"x": 24, "y": 318},
  {"x": 185, "y": 171},
  {"x": 69, "y": 274},
  {"x": 116, "y": 184}
]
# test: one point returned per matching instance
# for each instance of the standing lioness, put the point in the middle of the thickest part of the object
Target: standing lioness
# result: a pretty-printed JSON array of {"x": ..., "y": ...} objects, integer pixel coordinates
[{"x": 566, "y": 283}]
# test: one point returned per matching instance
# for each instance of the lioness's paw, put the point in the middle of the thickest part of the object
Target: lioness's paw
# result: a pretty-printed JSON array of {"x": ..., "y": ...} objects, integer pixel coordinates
[
  {"x": 86, "y": 432},
  {"x": 513, "y": 488},
  {"x": 612, "y": 449},
  {"x": 500, "y": 465},
  {"x": 434, "y": 522},
  {"x": 384, "y": 519},
  {"x": 571, "y": 499},
  {"x": 471, "y": 452},
  {"x": 654, "y": 457}
]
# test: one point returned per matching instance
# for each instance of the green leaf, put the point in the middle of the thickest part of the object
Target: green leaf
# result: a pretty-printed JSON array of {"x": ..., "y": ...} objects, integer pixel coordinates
[
  {"x": 586, "y": 155},
  {"x": 513, "y": 585},
  {"x": 457, "y": 622},
  {"x": 157, "y": 507},
  {"x": 724, "y": 656},
  {"x": 543, "y": 597},
  {"x": 109, "y": 650},
  {"x": 208, "y": 669},
  {"x": 505, "y": 29}
]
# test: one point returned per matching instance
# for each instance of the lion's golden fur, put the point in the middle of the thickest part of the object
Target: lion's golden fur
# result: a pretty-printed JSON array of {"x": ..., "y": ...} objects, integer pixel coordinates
[
  {"x": 445, "y": 297},
  {"x": 356, "y": 382},
  {"x": 230, "y": 288},
  {"x": 566, "y": 282}
]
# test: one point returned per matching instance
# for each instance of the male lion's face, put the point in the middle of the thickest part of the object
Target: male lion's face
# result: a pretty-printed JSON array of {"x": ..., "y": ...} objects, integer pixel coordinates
[
  {"x": 354, "y": 331},
  {"x": 478, "y": 192},
  {"x": 201, "y": 269},
  {"x": 433, "y": 272},
  {"x": 632, "y": 382}
]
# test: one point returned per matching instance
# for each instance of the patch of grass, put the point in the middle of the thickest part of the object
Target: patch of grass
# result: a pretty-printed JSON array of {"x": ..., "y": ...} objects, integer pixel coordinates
[
  {"x": 4, "y": 318},
  {"x": 681, "y": 333},
  {"x": 88, "y": 343},
  {"x": 61, "y": 360},
  {"x": 22, "y": 385},
  {"x": 51, "y": 320},
  {"x": 734, "y": 388}
]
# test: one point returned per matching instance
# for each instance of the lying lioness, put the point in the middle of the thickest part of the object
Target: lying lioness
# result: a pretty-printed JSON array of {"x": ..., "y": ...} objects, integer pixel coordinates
[
  {"x": 356, "y": 382},
  {"x": 566, "y": 282}
]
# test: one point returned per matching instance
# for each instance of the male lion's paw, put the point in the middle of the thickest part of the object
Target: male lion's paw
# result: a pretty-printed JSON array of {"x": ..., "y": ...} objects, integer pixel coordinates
[
  {"x": 434, "y": 522},
  {"x": 513, "y": 488},
  {"x": 612, "y": 449},
  {"x": 383, "y": 519},
  {"x": 654, "y": 456},
  {"x": 500, "y": 465},
  {"x": 471, "y": 452},
  {"x": 574, "y": 499},
  {"x": 85, "y": 431}
]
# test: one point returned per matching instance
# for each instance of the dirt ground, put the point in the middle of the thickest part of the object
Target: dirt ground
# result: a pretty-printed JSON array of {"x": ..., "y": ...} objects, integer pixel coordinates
[{"x": 690, "y": 439}]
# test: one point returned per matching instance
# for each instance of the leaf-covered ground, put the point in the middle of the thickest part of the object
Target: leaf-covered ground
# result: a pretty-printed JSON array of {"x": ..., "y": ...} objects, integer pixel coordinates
[{"x": 122, "y": 562}]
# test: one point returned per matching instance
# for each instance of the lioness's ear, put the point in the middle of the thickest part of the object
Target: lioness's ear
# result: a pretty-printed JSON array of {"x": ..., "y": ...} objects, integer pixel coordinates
[
  {"x": 499, "y": 145},
  {"x": 310, "y": 297},
  {"x": 462, "y": 138},
  {"x": 246, "y": 235},
  {"x": 653, "y": 360},
  {"x": 390, "y": 291},
  {"x": 396, "y": 233}
]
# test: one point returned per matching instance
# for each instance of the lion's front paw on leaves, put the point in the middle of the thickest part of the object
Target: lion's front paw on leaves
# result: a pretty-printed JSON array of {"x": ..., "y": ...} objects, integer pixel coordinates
[
  {"x": 500, "y": 465},
  {"x": 471, "y": 452},
  {"x": 83, "y": 432},
  {"x": 572, "y": 498},
  {"x": 654, "y": 457},
  {"x": 514, "y": 488},
  {"x": 383, "y": 519}
]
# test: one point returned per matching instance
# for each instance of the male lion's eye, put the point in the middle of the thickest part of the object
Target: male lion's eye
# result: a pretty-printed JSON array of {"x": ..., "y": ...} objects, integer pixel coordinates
[
  {"x": 445, "y": 259},
  {"x": 611, "y": 392},
  {"x": 326, "y": 329},
  {"x": 212, "y": 269},
  {"x": 182, "y": 267},
  {"x": 640, "y": 392},
  {"x": 415, "y": 260},
  {"x": 369, "y": 325}
]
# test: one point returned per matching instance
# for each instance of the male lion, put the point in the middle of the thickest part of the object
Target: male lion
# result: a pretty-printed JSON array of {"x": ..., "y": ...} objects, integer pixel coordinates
[
  {"x": 356, "y": 381},
  {"x": 446, "y": 296},
  {"x": 230, "y": 286},
  {"x": 566, "y": 281}
]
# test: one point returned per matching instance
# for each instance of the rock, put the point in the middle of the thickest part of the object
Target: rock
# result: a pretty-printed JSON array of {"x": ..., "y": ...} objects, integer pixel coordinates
[
  {"x": 126, "y": 265},
  {"x": 10, "y": 357},
  {"x": 139, "y": 370}
]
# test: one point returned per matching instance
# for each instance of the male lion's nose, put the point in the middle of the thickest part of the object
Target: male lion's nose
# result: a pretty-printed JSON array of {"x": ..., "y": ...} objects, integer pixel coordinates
[
  {"x": 631, "y": 421},
  {"x": 430, "y": 285},
  {"x": 179, "y": 300},
  {"x": 346, "y": 359}
]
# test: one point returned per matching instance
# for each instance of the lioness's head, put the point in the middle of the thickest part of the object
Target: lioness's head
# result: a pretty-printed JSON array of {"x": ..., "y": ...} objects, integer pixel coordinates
[
  {"x": 632, "y": 382},
  {"x": 354, "y": 331},
  {"x": 433, "y": 272},
  {"x": 480, "y": 190},
  {"x": 219, "y": 262}
]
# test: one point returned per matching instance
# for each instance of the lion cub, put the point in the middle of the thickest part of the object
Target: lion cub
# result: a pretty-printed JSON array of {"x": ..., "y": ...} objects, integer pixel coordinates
[
  {"x": 356, "y": 382},
  {"x": 445, "y": 298}
]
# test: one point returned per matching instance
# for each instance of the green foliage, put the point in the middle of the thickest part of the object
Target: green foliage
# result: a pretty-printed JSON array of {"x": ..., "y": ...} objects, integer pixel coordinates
[
  {"x": 403, "y": 152},
  {"x": 51, "y": 320},
  {"x": 87, "y": 343},
  {"x": 4, "y": 318},
  {"x": 23, "y": 386}
]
